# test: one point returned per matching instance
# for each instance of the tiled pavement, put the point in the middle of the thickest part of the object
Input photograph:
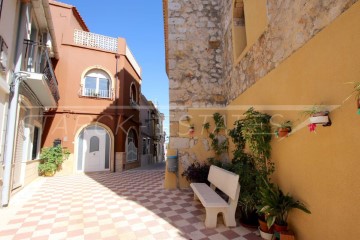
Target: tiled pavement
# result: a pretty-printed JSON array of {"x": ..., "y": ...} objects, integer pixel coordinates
[{"x": 128, "y": 205}]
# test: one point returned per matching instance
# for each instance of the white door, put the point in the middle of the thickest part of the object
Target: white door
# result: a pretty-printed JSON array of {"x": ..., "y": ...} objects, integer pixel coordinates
[{"x": 94, "y": 150}]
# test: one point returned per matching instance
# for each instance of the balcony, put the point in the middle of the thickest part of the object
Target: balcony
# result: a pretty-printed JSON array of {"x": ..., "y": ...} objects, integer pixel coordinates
[
  {"x": 93, "y": 40},
  {"x": 41, "y": 77},
  {"x": 95, "y": 93}
]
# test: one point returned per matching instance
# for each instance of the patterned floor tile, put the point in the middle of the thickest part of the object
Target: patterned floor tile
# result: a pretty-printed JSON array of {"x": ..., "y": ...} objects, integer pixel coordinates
[{"x": 127, "y": 205}]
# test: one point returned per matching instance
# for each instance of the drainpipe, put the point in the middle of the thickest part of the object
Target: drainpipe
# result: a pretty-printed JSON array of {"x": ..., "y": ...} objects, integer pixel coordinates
[
  {"x": 10, "y": 136},
  {"x": 117, "y": 56}
]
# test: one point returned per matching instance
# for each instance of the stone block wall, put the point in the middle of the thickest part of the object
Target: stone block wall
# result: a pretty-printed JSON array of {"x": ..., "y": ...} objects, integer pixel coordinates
[{"x": 201, "y": 67}]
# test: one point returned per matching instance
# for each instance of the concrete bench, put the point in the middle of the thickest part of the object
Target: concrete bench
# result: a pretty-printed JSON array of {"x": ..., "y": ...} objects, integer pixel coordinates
[{"x": 228, "y": 183}]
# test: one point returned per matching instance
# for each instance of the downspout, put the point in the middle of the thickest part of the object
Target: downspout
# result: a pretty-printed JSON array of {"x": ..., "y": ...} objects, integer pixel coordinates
[
  {"x": 117, "y": 56},
  {"x": 10, "y": 137}
]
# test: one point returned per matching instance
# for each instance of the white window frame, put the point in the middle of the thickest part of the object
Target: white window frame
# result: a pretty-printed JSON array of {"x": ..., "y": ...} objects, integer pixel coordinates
[{"x": 98, "y": 74}]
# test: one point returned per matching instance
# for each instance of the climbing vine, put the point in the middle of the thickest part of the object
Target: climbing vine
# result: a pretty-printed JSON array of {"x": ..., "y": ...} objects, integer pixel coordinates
[{"x": 219, "y": 142}]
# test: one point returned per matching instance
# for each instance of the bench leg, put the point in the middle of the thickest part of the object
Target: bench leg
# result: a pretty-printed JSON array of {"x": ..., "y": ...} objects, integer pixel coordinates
[
  {"x": 211, "y": 217},
  {"x": 229, "y": 219}
]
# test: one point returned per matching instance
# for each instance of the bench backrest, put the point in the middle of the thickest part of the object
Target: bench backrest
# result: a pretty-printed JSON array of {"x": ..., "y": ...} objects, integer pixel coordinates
[{"x": 224, "y": 180}]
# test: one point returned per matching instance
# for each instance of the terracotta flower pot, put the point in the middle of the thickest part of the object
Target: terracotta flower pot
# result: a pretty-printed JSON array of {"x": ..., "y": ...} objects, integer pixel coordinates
[
  {"x": 263, "y": 225},
  {"x": 283, "y": 132},
  {"x": 278, "y": 229}
]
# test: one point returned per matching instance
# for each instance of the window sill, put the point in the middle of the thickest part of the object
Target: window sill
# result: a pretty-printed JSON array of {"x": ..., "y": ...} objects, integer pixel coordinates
[{"x": 96, "y": 97}]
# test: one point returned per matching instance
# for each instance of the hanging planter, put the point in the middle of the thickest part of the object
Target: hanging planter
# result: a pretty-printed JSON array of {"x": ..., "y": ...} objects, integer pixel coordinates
[
  {"x": 284, "y": 129},
  {"x": 317, "y": 116},
  {"x": 191, "y": 130}
]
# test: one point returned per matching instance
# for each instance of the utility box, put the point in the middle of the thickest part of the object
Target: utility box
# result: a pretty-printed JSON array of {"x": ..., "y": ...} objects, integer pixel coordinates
[{"x": 172, "y": 163}]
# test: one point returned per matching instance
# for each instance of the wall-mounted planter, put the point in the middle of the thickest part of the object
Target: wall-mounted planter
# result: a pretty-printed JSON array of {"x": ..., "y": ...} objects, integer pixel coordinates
[
  {"x": 283, "y": 132},
  {"x": 319, "y": 118}
]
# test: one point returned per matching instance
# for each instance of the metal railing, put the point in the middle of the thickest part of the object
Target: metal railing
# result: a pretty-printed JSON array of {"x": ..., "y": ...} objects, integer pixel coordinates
[
  {"x": 36, "y": 60},
  {"x": 92, "y": 92}
]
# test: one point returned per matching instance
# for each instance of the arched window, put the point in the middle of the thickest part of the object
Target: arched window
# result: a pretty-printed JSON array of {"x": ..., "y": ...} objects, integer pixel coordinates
[
  {"x": 133, "y": 93},
  {"x": 97, "y": 84}
]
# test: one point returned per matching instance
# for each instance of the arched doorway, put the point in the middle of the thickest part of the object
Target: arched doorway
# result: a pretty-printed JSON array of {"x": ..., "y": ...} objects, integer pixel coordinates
[
  {"x": 131, "y": 146},
  {"x": 93, "y": 148}
]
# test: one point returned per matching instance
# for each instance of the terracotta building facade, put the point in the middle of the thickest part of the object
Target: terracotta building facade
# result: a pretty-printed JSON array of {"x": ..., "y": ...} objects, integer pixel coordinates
[{"x": 97, "y": 118}]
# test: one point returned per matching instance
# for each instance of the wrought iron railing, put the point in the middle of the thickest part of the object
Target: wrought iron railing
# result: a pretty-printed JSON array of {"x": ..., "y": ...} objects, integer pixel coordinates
[
  {"x": 36, "y": 60},
  {"x": 91, "y": 92}
]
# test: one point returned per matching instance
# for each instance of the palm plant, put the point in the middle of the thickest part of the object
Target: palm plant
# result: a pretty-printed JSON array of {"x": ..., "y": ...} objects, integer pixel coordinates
[{"x": 276, "y": 205}]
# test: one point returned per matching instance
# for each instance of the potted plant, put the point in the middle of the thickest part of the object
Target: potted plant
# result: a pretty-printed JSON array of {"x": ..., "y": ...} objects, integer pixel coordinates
[
  {"x": 47, "y": 169},
  {"x": 277, "y": 205},
  {"x": 284, "y": 129},
  {"x": 318, "y": 115},
  {"x": 191, "y": 129},
  {"x": 52, "y": 159}
]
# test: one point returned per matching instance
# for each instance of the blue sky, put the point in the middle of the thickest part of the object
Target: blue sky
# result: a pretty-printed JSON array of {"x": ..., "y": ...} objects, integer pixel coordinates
[{"x": 140, "y": 22}]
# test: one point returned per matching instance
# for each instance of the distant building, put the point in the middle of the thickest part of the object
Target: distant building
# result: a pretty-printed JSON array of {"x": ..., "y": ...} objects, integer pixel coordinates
[{"x": 152, "y": 133}]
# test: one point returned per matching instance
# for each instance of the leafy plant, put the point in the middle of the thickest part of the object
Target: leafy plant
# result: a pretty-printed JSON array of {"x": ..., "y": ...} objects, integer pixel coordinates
[
  {"x": 197, "y": 172},
  {"x": 219, "y": 142},
  {"x": 255, "y": 131},
  {"x": 313, "y": 110},
  {"x": 52, "y": 159},
  {"x": 286, "y": 124},
  {"x": 206, "y": 126},
  {"x": 276, "y": 205}
]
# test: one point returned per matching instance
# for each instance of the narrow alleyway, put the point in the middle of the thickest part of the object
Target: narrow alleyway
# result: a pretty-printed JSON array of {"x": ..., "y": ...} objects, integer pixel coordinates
[{"x": 128, "y": 205}]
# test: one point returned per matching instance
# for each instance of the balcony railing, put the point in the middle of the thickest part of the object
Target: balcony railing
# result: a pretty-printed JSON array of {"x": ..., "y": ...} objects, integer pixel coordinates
[
  {"x": 91, "y": 92},
  {"x": 36, "y": 60},
  {"x": 94, "y": 40}
]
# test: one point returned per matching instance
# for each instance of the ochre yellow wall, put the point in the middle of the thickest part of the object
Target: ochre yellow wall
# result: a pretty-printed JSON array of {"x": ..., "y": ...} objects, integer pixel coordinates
[
  {"x": 321, "y": 169},
  {"x": 197, "y": 151},
  {"x": 255, "y": 19}
]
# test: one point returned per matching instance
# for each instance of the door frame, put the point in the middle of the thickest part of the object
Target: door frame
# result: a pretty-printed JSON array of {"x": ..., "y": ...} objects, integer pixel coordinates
[{"x": 76, "y": 141}]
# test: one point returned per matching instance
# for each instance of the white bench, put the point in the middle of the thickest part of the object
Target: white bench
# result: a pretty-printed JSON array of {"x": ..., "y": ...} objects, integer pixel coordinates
[{"x": 228, "y": 183}]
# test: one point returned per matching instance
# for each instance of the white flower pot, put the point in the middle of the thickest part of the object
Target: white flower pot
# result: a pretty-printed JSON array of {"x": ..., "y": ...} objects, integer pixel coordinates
[
  {"x": 265, "y": 235},
  {"x": 319, "y": 119}
]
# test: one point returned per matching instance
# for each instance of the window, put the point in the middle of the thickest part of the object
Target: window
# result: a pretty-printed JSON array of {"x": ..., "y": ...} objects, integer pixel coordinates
[
  {"x": 94, "y": 144},
  {"x": 96, "y": 84},
  {"x": 133, "y": 97},
  {"x": 144, "y": 146},
  {"x": 249, "y": 21},
  {"x": 36, "y": 142},
  {"x": 239, "y": 31},
  {"x": 148, "y": 146}
]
